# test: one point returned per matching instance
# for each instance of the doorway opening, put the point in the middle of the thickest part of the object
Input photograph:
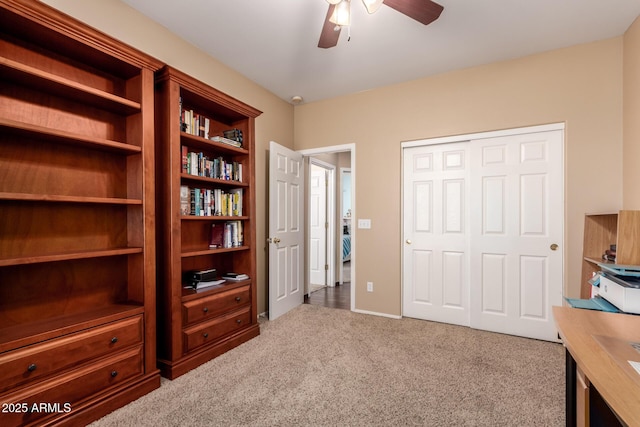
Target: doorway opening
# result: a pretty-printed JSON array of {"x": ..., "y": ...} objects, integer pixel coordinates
[{"x": 330, "y": 239}]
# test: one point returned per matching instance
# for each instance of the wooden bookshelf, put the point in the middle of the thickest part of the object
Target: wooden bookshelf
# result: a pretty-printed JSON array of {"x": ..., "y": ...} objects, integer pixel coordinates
[
  {"x": 77, "y": 241},
  {"x": 602, "y": 230},
  {"x": 196, "y": 326}
]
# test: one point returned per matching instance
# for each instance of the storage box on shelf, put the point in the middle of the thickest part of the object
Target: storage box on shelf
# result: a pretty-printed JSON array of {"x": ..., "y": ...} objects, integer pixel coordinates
[
  {"x": 194, "y": 201},
  {"x": 77, "y": 244},
  {"x": 600, "y": 232}
]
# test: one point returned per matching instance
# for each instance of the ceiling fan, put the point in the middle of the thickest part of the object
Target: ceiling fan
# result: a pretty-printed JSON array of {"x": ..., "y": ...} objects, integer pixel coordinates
[{"x": 339, "y": 15}]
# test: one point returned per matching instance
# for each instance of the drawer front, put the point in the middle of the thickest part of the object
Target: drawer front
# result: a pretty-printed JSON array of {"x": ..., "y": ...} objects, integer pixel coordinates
[
  {"x": 212, "y": 330},
  {"x": 36, "y": 361},
  {"x": 214, "y": 305},
  {"x": 58, "y": 395}
]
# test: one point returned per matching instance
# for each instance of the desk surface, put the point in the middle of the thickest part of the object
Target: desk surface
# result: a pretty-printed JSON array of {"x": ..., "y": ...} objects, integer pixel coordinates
[{"x": 600, "y": 344}]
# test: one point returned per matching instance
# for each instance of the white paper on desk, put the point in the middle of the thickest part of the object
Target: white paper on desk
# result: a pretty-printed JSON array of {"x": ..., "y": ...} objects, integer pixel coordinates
[{"x": 635, "y": 365}]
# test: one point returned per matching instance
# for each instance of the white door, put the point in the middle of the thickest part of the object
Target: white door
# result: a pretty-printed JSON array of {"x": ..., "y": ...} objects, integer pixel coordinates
[
  {"x": 517, "y": 231},
  {"x": 436, "y": 259},
  {"x": 286, "y": 230},
  {"x": 483, "y": 246},
  {"x": 317, "y": 226}
]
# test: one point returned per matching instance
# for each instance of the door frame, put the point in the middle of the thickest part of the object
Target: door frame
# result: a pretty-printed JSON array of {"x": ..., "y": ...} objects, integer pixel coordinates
[
  {"x": 343, "y": 171},
  {"x": 330, "y": 217},
  {"x": 335, "y": 149}
]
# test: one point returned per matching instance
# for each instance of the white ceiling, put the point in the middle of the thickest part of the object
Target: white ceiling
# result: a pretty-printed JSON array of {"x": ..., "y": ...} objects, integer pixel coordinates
[{"x": 274, "y": 42}]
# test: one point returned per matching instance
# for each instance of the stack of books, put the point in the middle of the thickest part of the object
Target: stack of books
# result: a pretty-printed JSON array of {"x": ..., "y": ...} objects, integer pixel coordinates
[
  {"x": 235, "y": 276},
  {"x": 200, "y": 279}
]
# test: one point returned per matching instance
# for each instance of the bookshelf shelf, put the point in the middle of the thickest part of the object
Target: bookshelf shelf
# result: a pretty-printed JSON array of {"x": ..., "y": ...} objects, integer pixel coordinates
[
  {"x": 602, "y": 230},
  {"x": 219, "y": 182},
  {"x": 201, "y": 143},
  {"x": 67, "y": 199},
  {"x": 38, "y": 259},
  {"x": 197, "y": 326},
  {"x": 77, "y": 237},
  {"x": 53, "y": 135},
  {"x": 213, "y": 218},
  {"x": 37, "y": 79},
  {"x": 190, "y": 254}
]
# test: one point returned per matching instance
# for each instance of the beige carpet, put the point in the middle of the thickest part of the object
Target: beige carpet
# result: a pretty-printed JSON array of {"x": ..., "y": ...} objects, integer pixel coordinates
[{"x": 324, "y": 367}]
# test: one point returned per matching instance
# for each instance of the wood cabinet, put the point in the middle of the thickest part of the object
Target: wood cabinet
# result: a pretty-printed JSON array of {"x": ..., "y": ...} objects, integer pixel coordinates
[
  {"x": 600, "y": 232},
  {"x": 196, "y": 326},
  {"x": 77, "y": 237}
]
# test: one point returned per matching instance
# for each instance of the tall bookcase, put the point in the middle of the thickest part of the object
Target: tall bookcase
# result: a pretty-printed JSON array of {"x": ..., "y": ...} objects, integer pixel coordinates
[
  {"x": 196, "y": 326},
  {"x": 600, "y": 232},
  {"x": 77, "y": 238}
]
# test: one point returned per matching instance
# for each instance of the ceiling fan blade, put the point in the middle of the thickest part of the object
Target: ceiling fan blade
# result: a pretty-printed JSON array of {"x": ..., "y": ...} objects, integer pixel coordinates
[
  {"x": 328, "y": 36},
  {"x": 424, "y": 11}
]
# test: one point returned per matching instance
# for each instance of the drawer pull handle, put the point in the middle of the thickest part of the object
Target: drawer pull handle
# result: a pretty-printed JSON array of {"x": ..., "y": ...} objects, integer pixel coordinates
[
  {"x": 205, "y": 309},
  {"x": 238, "y": 321},
  {"x": 114, "y": 340},
  {"x": 114, "y": 374},
  {"x": 32, "y": 367},
  {"x": 206, "y": 335},
  {"x": 238, "y": 299}
]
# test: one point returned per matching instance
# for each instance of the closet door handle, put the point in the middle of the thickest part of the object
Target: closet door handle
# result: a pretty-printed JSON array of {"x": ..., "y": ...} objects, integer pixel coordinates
[
  {"x": 553, "y": 247},
  {"x": 408, "y": 241}
]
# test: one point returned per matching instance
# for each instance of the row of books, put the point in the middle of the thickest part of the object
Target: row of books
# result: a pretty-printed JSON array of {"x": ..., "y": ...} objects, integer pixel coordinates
[
  {"x": 196, "y": 124},
  {"x": 198, "y": 164},
  {"x": 234, "y": 135},
  {"x": 227, "y": 235},
  {"x": 210, "y": 202}
]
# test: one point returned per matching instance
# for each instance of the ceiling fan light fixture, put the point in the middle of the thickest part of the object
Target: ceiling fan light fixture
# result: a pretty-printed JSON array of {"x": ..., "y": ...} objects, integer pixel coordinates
[
  {"x": 333, "y": 1},
  {"x": 342, "y": 14},
  {"x": 372, "y": 5}
]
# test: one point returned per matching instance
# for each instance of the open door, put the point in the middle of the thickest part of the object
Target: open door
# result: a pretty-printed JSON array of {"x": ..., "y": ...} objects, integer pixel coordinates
[{"x": 286, "y": 230}]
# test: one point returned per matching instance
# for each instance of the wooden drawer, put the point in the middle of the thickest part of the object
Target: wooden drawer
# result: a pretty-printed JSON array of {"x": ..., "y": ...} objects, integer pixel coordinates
[
  {"x": 39, "y": 360},
  {"x": 214, "y": 305},
  {"x": 60, "y": 394},
  {"x": 210, "y": 331}
]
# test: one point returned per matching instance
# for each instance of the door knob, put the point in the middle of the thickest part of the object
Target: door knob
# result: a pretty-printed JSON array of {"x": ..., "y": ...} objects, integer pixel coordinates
[
  {"x": 276, "y": 240},
  {"x": 408, "y": 241},
  {"x": 553, "y": 246}
]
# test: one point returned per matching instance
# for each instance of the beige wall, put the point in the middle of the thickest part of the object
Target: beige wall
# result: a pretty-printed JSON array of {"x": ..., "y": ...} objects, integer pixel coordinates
[
  {"x": 276, "y": 122},
  {"x": 632, "y": 117},
  {"x": 580, "y": 86}
]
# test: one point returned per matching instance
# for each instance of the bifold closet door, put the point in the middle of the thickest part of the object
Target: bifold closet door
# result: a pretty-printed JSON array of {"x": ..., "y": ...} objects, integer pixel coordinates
[
  {"x": 435, "y": 250},
  {"x": 516, "y": 233},
  {"x": 483, "y": 230}
]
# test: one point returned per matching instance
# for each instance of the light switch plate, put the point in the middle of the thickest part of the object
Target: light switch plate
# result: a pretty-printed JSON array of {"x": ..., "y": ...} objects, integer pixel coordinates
[{"x": 364, "y": 223}]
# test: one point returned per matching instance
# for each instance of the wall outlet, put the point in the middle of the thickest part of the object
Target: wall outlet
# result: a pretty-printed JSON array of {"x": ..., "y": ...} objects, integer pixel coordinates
[{"x": 369, "y": 286}]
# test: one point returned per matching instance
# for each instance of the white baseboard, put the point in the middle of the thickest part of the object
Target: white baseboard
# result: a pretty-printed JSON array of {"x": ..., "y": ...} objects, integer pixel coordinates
[{"x": 374, "y": 313}]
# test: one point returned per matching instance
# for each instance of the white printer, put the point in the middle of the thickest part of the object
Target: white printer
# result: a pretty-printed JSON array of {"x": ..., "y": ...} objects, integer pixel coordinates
[{"x": 621, "y": 290}]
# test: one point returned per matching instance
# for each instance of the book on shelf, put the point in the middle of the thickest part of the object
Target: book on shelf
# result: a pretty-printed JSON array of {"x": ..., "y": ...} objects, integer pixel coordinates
[
  {"x": 216, "y": 236},
  {"x": 211, "y": 202},
  {"x": 201, "y": 275},
  {"x": 233, "y": 234},
  {"x": 235, "y": 276},
  {"x": 194, "y": 123},
  {"x": 199, "y": 164},
  {"x": 185, "y": 205},
  {"x": 206, "y": 284},
  {"x": 234, "y": 135},
  {"x": 226, "y": 141},
  {"x": 227, "y": 235}
]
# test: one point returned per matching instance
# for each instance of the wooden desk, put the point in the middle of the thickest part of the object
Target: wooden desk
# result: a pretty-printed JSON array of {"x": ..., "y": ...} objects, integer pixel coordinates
[{"x": 598, "y": 349}]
